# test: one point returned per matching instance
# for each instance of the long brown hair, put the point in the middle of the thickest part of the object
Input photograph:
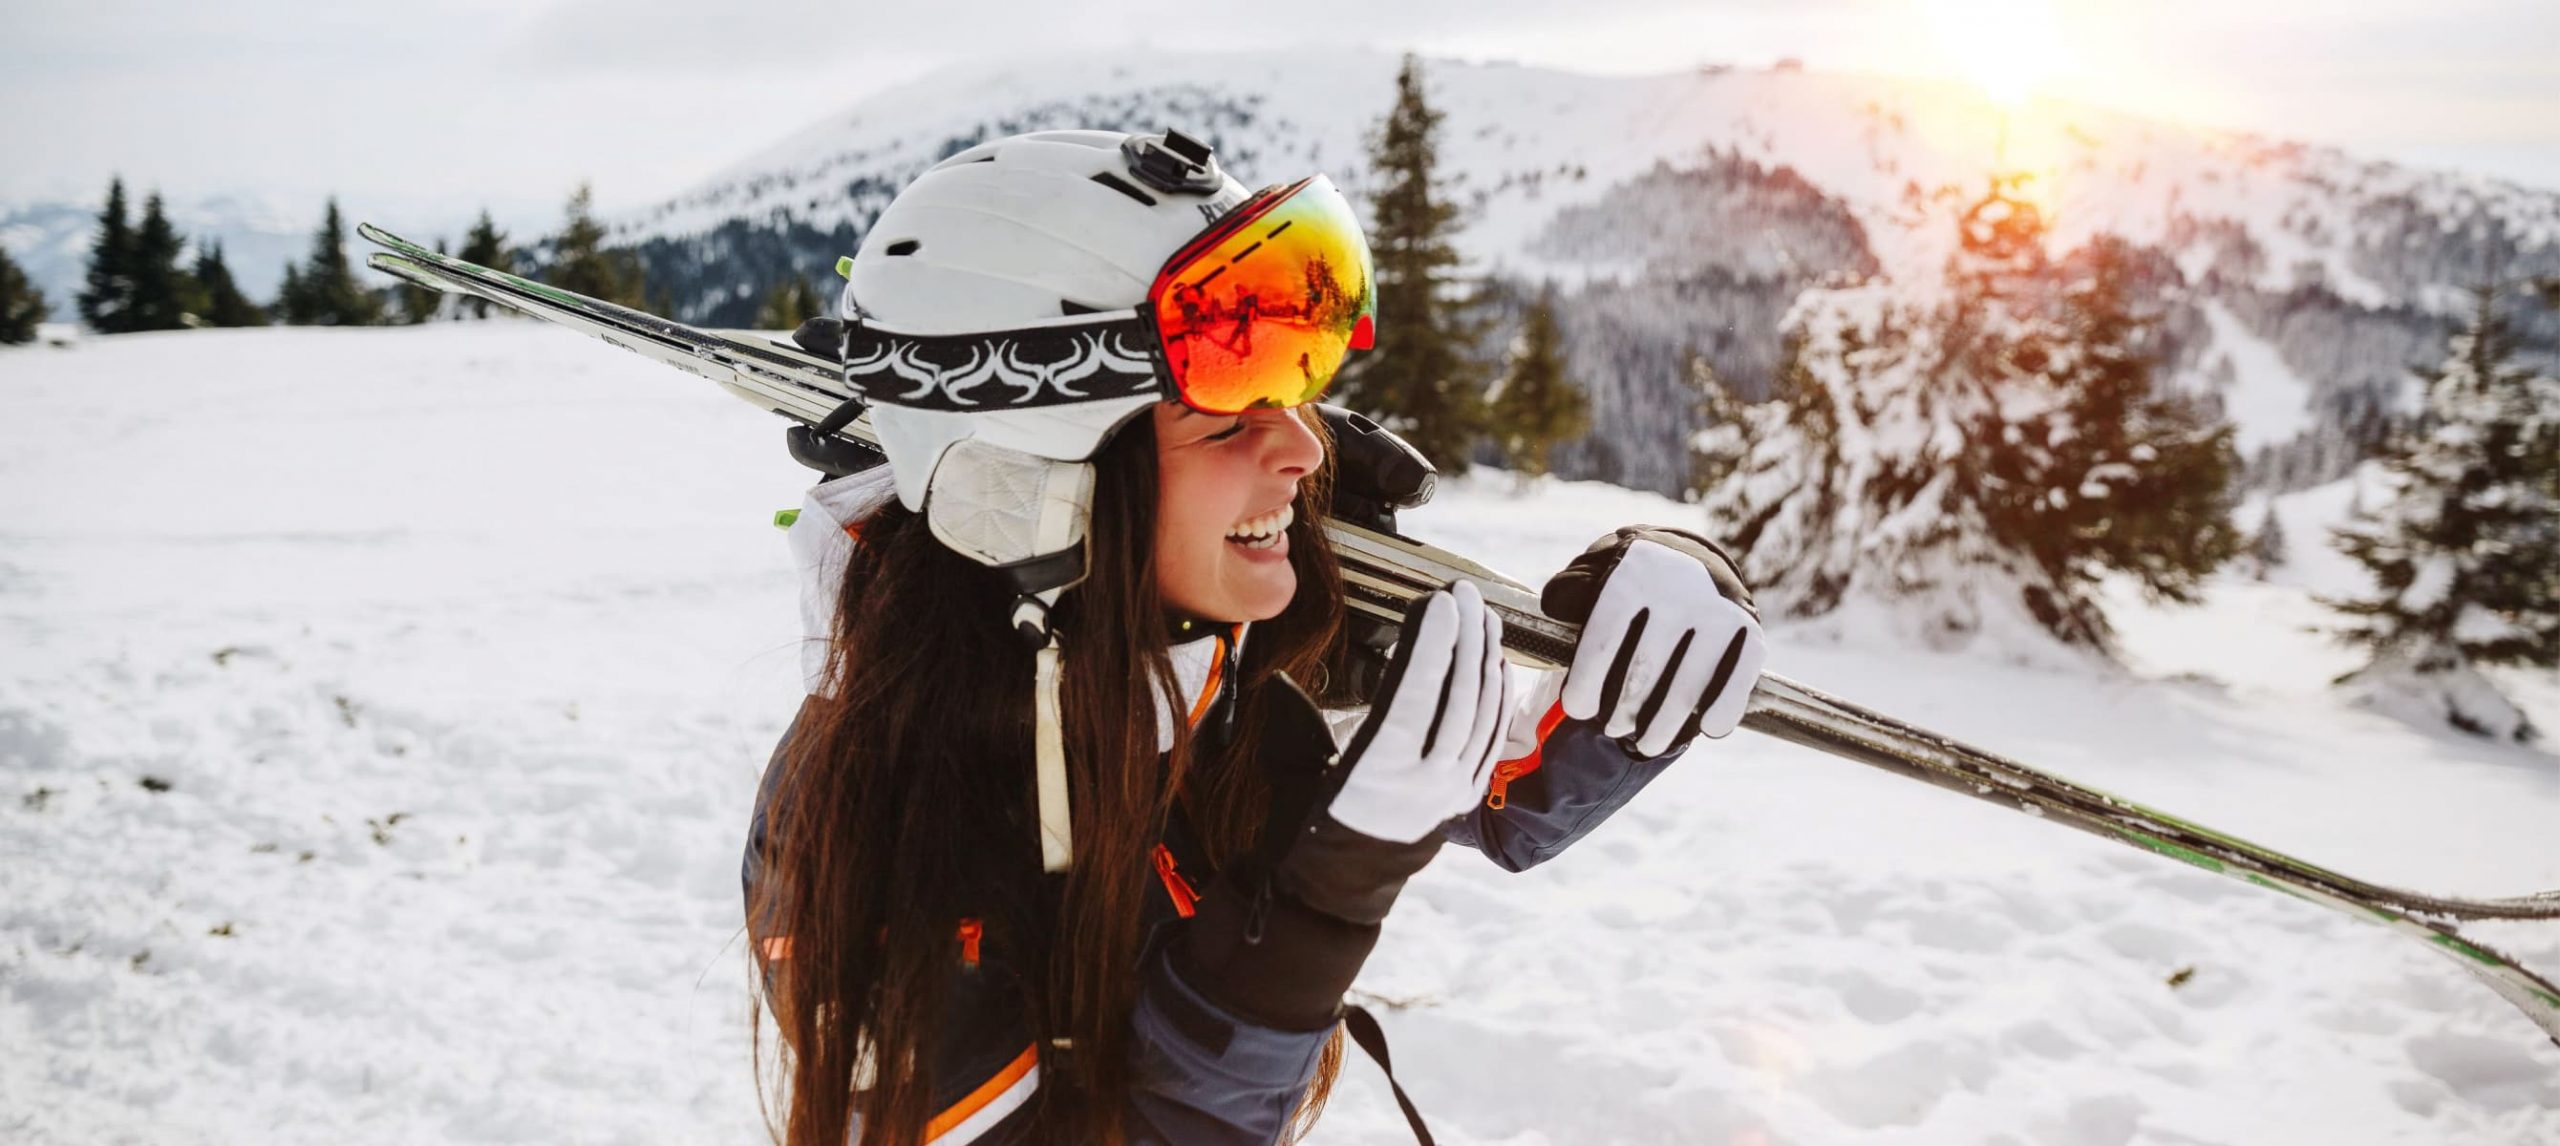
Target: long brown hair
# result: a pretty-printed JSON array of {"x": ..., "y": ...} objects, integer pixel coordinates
[{"x": 904, "y": 806}]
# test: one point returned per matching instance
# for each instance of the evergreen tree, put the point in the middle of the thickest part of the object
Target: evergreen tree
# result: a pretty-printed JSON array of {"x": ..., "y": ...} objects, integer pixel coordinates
[
  {"x": 2466, "y": 557},
  {"x": 106, "y": 302},
  {"x": 581, "y": 264},
  {"x": 160, "y": 286},
  {"x": 1977, "y": 458},
  {"x": 788, "y": 305},
  {"x": 1537, "y": 406},
  {"x": 487, "y": 246},
  {"x": 2266, "y": 546},
  {"x": 2116, "y": 475},
  {"x": 1718, "y": 450},
  {"x": 1420, "y": 381},
  {"x": 293, "y": 305},
  {"x": 22, "y": 306},
  {"x": 224, "y": 305},
  {"x": 326, "y": 293}
]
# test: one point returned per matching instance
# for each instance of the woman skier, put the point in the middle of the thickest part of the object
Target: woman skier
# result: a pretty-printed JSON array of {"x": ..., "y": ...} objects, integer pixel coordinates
[{"x": 1058, "y": 848}]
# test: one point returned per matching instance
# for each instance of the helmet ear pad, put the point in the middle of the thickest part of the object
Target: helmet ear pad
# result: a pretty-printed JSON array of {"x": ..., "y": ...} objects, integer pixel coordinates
[
  {"x": 1022, "y": 515},
  {"x": 918, "y": 442}
]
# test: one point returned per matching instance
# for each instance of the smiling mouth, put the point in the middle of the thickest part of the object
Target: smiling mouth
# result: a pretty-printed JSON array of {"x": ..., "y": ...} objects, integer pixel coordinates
[{"x": 1263, "y": 531}]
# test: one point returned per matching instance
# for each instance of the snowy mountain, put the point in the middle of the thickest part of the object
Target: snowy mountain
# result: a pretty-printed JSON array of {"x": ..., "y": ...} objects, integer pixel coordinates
[
  {"x": 1686, "y": 211},
  {"x": 377, "y": 743}
]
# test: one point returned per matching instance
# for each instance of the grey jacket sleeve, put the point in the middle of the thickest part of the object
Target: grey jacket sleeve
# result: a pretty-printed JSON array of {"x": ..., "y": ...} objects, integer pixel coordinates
[
  {"x": 1206, "y": 1075},
  {"x": 1583, "y": 778}
]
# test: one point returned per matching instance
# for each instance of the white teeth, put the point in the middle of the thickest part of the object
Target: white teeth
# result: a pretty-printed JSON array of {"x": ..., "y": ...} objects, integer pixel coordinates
[{"x": 1264, "y": 531}]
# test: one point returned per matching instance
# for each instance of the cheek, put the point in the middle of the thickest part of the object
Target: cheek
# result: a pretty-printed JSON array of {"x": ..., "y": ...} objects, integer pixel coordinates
[{"x": 1189, "y": 530}]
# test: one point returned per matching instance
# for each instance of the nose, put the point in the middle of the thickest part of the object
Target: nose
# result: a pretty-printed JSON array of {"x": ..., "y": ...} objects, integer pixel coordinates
[{"x": 1290, "y": 446}]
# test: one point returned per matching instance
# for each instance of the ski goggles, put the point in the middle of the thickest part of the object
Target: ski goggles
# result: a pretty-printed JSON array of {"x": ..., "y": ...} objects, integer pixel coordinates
[{"x": 1256, "y": 312}]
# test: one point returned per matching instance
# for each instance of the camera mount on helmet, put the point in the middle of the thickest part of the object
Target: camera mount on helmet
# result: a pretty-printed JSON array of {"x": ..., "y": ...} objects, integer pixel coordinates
[{"x": 1173, "y": 163}]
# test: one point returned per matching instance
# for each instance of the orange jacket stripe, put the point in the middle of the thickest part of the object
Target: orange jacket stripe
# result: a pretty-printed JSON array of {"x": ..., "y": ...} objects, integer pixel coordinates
[
  {"x": 996, "y": 1097},
  {"x": 1209, "y": 690}
]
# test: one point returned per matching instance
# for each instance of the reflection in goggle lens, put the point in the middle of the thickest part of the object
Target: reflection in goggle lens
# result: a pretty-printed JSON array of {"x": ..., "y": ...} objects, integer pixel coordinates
[{"x": 1264, "y": 316}]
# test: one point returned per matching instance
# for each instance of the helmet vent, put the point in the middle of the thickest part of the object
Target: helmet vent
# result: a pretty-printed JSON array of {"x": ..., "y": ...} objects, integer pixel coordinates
[
  {"x": 1068, "y": 306},
  {"x": 1122, "y": 186},
  {"x": 903, "y": 247}
]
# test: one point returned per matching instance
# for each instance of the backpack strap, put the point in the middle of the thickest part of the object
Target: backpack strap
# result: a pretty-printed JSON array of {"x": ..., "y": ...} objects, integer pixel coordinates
[{"x": 1372, "y": 1040}]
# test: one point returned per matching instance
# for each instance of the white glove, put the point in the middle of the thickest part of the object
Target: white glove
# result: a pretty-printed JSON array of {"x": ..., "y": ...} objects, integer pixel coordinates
[
  {"x": 1689, "y": 653},
  {"x": 1426, "y": 751}
]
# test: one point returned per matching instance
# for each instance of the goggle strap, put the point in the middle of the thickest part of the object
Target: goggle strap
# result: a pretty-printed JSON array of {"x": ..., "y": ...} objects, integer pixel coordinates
[{"x": 1082, "y": 358}]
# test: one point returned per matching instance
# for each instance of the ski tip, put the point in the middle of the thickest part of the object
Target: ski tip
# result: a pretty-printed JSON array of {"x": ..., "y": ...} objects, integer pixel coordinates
[
  {"x": 378, "y": 235},
  {"x": 403, "y": 269}
]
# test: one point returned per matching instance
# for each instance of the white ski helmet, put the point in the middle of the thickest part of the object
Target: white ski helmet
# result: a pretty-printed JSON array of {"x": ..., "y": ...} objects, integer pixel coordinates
[{"x": 1015, "y": 233}]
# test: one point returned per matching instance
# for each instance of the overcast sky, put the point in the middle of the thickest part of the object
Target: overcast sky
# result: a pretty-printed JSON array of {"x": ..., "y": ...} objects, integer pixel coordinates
[{"x": 301, "y": 97}]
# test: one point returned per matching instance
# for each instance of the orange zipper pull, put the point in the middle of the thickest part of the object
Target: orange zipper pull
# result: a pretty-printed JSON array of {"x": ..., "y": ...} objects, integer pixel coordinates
[
  {"x": 1185, "y": 900},
  {"x": 1495, "y": 794},
  {"x": 971, "y": 931}
]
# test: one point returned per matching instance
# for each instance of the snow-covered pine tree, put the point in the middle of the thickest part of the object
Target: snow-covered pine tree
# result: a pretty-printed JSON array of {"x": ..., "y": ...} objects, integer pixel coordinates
[
  {"x": 2266, "y": 546},
  {"x": 2120, "y": 475},
  {"x": 1421, "y": 380},
  {"x": 1965, "y": 463},
  {"x": 487, "y": 246},
  {"x": 2466, "y": 557},
  {"x": 1721, "y": 448},
  {"x": 108, "y": 295},
  {"x": 22, "y": 306},
  {"x": 581, "y": 263},
  {"x": 1537, "y": 406}
]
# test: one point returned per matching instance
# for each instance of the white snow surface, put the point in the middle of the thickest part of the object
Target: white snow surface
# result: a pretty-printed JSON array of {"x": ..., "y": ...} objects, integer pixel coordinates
[{"x": 459, "y": 651}]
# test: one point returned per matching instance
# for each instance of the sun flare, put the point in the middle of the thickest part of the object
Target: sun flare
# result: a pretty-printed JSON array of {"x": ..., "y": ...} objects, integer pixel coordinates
[{"x": 2009, "y": 48}]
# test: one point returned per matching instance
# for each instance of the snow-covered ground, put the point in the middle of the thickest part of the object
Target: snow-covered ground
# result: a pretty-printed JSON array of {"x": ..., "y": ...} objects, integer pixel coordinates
[{"x": 379, "y": 712}]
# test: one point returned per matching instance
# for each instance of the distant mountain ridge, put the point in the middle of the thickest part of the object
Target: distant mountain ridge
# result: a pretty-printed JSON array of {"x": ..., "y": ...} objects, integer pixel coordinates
[
  {"x": 1676, "y": 212},
  {"x": 1687, "y": 210}
]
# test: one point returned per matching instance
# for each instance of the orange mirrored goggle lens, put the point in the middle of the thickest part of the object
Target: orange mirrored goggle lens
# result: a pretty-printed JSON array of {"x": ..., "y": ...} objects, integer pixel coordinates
[{"x": 1259, "y": 313}]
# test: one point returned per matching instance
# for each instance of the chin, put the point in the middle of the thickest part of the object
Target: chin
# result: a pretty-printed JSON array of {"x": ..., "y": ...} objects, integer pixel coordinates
[{"x": 1263, "y": 602}]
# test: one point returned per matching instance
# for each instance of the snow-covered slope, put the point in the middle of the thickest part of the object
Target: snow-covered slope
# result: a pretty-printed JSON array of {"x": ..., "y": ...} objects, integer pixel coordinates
[
  {"x": 1686, "y": 210},
  {"x": 380, "y": 710}
]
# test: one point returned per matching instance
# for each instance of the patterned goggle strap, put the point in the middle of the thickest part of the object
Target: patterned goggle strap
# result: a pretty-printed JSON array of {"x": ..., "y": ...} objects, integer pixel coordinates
[{"x": 1092, "y": 358}]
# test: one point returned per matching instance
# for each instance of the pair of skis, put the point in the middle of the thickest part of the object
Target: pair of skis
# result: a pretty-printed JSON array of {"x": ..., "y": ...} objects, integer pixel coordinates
[{"x": 1383, "y": 573}]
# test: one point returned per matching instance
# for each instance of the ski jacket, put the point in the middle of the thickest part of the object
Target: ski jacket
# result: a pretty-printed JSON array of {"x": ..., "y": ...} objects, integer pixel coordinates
[{"x": 1207, "y": 1072}]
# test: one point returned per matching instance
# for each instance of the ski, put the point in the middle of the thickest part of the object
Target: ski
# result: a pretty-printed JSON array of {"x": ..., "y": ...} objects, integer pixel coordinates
[{"x": 1383, "y": 573}]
